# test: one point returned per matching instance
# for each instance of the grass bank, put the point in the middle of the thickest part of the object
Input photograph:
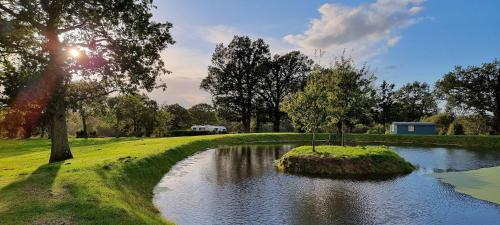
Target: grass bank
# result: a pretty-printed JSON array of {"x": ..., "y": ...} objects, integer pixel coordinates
[
  {"x": 436, "y": 140},
  {"x": 371, "y": 162},
  {"x": 110, "y": 180}
]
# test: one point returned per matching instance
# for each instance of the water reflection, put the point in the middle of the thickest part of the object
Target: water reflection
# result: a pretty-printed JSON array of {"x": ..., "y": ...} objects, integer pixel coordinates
[{"x": 239, "y": 185}]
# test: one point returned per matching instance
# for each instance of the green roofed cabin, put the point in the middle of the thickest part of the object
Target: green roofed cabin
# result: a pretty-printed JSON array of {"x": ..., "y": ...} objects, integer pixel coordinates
[{"x": 416, "y": 128}]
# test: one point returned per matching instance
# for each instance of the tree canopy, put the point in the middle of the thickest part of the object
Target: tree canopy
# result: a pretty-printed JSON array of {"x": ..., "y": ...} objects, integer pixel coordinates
[{"x": 113, "y": 42}]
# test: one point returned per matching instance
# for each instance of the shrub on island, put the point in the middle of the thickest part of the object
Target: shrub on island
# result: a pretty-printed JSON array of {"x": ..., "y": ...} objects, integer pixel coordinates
[{"x": 365, "y": 162}]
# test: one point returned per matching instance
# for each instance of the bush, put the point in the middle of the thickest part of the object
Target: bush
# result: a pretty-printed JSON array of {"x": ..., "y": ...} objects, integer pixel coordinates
[
  {"x": 360, "y": 129},
  {"x": 377, "y": 129},
  {"x": 456, "y": 129},
  {"x": 442, "y": 120}
]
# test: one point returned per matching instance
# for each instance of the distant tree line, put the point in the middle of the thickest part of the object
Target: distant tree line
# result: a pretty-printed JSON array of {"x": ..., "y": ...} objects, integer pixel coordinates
[
  {"x": 247, "y": 84},
  {"x": 255, "y": 91}
]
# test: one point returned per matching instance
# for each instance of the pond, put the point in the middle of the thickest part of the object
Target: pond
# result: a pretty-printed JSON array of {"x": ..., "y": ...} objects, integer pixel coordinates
[{"x": 239, "y": 185}]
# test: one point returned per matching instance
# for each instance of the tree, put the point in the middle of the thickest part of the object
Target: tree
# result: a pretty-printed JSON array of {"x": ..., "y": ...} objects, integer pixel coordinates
[
  {"x": 86, "y": 98},
  {"x": 234, "y": 76},
  {"x": 415, "y": 101},
  {"x": 475, "y": 88},
  {"x": 164, "y": 120},
  {"x": 118, "y": 46},
  {"x": 349, "y": 92},
  {"x": 202, "y": 114},
  {"x": 129, "y": 110},
  {"x": 386, "y": 103},
  {"x": 180, "y": 117},
  {"x": 287, "y": 74},
  {"x": 307, "y": 108}
]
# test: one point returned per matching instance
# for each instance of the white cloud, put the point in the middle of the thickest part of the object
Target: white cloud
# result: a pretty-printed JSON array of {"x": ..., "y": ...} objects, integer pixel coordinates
[
  {"x": 219, "y": 34},
  {"x": 366, "y": 30}
]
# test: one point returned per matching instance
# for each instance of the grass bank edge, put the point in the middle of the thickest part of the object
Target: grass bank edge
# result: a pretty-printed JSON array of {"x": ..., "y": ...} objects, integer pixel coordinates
[{"x": 362, "y": 162}]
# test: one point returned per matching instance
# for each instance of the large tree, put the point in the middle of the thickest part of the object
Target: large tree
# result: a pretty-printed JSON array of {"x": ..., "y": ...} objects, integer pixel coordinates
[
  {"x": 386, "y": 103},
  {"x": 416, "y": 101},
  {"x": 287, "y": 74},
  {"x": 234, "y": 76},
  {"x": 474, "y": 88},
  {"x": 202, "y": 114},
  {"x": 113, "y": 42},
  {"x": 181, "y": 119},
  {"x": 86, "y": 98}
]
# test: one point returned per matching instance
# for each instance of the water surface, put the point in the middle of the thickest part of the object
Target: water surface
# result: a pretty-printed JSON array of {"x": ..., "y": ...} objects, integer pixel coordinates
[{"x": 239, "y": 185}]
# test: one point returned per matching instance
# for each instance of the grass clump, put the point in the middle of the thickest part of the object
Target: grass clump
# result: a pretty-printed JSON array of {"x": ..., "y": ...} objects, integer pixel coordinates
[{"x": 367, "y": 162}]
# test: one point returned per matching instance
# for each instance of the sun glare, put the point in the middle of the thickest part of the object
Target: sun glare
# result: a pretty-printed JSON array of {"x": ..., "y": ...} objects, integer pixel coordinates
[{"x": 74, "y": 53}]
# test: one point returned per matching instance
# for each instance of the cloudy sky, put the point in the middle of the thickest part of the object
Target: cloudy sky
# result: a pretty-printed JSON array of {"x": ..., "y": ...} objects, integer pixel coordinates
[{"x": 401, "y": 40}]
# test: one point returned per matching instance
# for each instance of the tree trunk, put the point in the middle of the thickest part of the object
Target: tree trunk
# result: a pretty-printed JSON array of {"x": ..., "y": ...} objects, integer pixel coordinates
[
  {"x": 59, "y": 135},
  {"x": 84, "y": 123},
  {"x": 314, "y": 140},
  {"x": 56, "y": 78},
  {"x": 246, "y": 125},
  {"x": 342, "y": 133},
  {"x": 276, "y": 119}
]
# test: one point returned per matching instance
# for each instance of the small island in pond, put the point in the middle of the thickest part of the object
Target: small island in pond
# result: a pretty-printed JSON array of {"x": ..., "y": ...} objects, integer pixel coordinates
[{"x": 370, "y": 162}]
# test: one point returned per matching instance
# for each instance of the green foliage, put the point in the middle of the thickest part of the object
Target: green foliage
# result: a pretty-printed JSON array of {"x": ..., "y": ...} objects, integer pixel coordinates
[
  {"x": 386, "y": 108},
  {"x": 360, "y": 128},
  {"x": 456, "y": 128},
  {"x": 181, "y": 119},
  {"x": 287, "y": 74},
  {"x": 234, "y": 76},
  {"x": 475, "y": 89},
  {"x": 415, "y": 101},
  {"x": 376, "y": 129},
  {"x": 203, "y": 114},
  {"x": 307, "y": 108},
  {"x": 476, "y": 124},
  {"x": 442, "y": 121},
  {"x": 345, "y": 161}
]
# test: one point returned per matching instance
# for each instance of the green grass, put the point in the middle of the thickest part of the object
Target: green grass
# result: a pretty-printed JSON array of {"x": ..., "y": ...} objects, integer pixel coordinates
[
  {"x": 482, "y": 183},
  {"x": 436, "y": 140},
  {"x": 110, "y": 180},
  {"x": 367, "y": 162},
  {"x": 324, "y": 151}
]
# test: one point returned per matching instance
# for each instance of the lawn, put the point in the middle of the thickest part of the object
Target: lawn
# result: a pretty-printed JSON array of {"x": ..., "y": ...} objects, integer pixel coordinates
[
  {"x": 110, "y": 180},
  {"x": 367, "y": 162}
]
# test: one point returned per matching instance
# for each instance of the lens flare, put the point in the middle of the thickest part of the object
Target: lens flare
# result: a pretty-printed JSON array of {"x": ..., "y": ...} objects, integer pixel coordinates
[{"x": 74, "y": 53}]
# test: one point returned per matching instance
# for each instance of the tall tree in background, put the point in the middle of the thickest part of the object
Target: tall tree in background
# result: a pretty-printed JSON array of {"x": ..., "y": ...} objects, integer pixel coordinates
[
  {"x": 475, "y": 88},
  {"x": 202, "y": 114},
  {"x": 416, "y": 101},
  {"x": 234, "y": 76},
  {"x": 86, "y": 98},
  {"x": 119, "y": 46},
  {"x": 386, "y": 104},
  {"x": 287, "y": 74},
  {"x": 180, "y": 118}
]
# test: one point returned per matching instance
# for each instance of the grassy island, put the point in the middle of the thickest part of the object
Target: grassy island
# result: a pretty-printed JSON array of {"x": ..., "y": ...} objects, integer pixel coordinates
[{"x": 375, "y": 162}]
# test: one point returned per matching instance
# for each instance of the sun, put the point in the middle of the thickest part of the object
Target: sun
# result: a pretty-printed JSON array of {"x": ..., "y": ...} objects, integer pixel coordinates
[{"x": 74, "y": 53}]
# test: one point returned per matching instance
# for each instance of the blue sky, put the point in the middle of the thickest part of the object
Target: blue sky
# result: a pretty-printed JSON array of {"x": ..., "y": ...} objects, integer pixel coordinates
[{"x": 401, "y": 40}]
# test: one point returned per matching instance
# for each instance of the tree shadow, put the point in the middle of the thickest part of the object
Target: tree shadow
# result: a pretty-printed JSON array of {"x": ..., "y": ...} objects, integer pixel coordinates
[{"x": 28, "y": 197}]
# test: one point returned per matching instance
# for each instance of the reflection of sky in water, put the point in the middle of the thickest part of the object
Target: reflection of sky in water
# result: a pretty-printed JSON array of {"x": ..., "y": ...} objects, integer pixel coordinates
[{"x": 239, "y": 185}]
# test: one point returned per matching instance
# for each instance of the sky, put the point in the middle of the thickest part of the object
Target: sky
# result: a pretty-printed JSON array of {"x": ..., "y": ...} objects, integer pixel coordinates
[{"x": 400, "y": 40}]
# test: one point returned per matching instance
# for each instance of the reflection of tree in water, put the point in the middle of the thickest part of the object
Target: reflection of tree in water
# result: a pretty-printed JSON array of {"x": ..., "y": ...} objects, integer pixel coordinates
[
  {"x": 237, "y": 163},
  {"x": 323, "y": 201}
]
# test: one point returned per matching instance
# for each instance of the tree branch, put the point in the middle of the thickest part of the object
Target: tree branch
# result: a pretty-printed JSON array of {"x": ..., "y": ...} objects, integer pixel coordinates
[{"x": 18, "y": 16}]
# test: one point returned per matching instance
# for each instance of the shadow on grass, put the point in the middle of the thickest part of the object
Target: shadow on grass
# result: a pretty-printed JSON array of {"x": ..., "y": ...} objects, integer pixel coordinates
[{"x": 28, "y": 197}]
